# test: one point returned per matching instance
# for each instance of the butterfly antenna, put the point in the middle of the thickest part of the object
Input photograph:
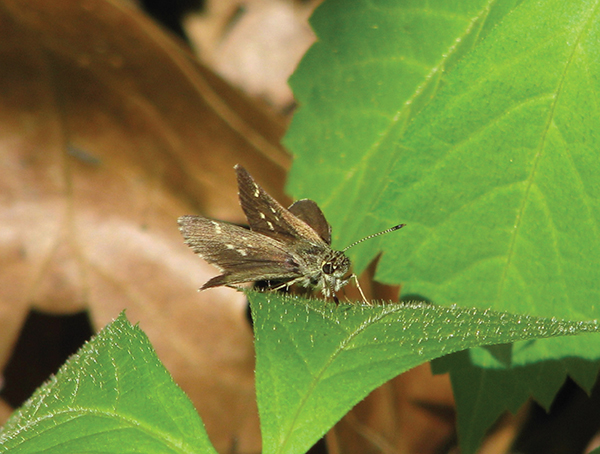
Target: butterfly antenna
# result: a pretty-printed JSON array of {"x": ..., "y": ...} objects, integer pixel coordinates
[{"x": 391, "y": 229}]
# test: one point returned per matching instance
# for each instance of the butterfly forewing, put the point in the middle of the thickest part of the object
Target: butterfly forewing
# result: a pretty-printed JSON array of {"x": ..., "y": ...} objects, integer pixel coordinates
[
  {"x": 267, "y": 216},
  {"x": 239, "y": 253}
]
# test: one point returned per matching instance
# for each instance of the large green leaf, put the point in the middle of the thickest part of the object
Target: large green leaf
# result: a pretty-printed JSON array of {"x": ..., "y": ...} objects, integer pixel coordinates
[
  {"x": 476, "y": 123},
  {"x": 113, "y": 396},
  {"x": 314, "y": 360},
  {"x": 497, "y": 177},
  {"x": 374, "y": 66}
]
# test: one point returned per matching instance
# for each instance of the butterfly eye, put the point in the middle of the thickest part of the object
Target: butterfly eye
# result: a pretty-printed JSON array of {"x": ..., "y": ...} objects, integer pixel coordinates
[{"x": 327, "y": 268}]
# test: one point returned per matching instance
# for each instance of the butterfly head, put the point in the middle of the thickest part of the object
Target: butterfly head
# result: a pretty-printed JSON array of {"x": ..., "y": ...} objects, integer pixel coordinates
[{"x": 333, "y": 271}]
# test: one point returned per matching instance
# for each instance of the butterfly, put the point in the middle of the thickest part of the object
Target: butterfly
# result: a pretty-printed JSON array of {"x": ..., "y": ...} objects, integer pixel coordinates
[{"x": 286, "y": 246}]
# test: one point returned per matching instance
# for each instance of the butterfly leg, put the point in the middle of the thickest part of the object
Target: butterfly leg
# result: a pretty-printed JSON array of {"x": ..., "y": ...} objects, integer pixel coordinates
[
  {"x": 287, "y": 284},
  {"x": 364, "y": 298}
]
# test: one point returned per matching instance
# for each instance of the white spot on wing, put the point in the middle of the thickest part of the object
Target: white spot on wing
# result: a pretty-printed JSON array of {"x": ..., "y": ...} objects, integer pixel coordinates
[
  {"x": 262, "y": 215},
  {"x": 242, "y": 252},
  {"x": 270, "y": 224},
  {"x": 256, "y": 190},
  {"x": 217, "y": 226}
]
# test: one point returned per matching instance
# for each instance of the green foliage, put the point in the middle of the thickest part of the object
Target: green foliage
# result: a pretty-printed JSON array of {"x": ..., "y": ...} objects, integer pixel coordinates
[
  {"x": 476, "y": 123},
  {"x": 315, "y": 361},
  {"x": 113, "y": 396},
  {"x": 477, "y": 388}
]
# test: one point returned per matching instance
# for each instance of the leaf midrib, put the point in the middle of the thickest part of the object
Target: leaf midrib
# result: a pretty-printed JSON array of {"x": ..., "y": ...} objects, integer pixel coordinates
[{"x": 317, "y": 378}]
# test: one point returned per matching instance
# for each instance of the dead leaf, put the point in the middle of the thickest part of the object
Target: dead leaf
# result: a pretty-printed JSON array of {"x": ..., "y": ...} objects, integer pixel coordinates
[
  {"x": 411, "y": 414},
  {"x": 254, "y": 44},
  {"x": 109, "y": 131}
]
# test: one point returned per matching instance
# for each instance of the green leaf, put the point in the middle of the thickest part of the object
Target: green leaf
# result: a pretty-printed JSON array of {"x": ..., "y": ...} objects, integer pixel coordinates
[
  {"x": 477, "y": 124},
  {"x": 497, "y": 177},
  {"x": 315, "y": 360},
  {"x": 506, "y": 205},
  {"x": 113, "y": 396},
  {"x": 374, "y": 67},
  {"x": 477, "y": 387}
]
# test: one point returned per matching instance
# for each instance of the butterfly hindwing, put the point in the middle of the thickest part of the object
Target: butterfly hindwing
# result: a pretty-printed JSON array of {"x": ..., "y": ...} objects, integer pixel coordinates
[{"x": 308, "y": 211}]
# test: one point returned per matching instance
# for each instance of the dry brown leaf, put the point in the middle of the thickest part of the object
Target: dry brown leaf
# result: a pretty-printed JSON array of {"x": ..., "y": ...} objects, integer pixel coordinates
[
  {"x": 411, "y": 414},
  {"x": 109, "y": 130},
  {"x": 501, "y": 437},
  {"x": 254, "y": 44},
  {"x": 5, "y": 411}
]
